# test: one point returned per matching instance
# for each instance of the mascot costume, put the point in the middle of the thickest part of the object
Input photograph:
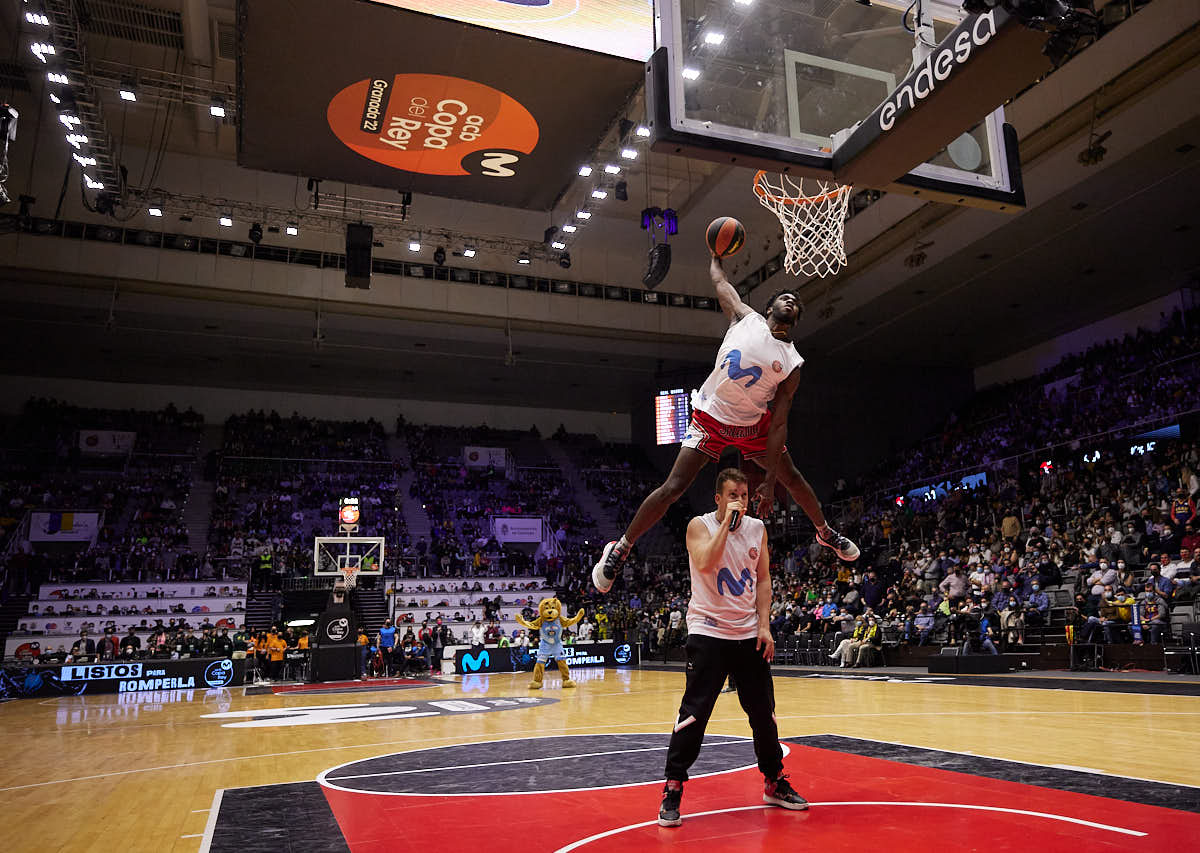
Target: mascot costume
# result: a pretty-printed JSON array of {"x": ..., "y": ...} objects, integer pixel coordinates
[{"x": 550, "y": 627}]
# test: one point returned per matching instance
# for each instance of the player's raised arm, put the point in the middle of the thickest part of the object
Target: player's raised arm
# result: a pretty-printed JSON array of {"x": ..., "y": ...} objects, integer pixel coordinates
[{"x": 732, "y": 304}]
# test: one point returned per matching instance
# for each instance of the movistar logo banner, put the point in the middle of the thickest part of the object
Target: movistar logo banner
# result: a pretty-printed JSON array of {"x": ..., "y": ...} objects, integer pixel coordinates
[{"x": 471, "y": 663}]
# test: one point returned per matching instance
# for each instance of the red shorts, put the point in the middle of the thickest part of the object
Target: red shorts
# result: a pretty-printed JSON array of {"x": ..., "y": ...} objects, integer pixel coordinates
[{"x": 708, "y": 435}]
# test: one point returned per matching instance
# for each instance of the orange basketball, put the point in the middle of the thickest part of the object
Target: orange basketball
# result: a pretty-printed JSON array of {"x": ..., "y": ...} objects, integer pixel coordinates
[{"x": 725, "y": 235}]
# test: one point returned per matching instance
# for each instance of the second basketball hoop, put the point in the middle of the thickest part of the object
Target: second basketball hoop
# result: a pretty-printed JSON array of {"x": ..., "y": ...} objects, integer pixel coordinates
[{"x": 812, "y": 214}]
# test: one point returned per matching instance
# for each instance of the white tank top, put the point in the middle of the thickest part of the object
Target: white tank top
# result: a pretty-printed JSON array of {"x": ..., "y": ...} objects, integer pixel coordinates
[
  {"x": 723, "y": 600},
  {"x": 751, "y": 362}
]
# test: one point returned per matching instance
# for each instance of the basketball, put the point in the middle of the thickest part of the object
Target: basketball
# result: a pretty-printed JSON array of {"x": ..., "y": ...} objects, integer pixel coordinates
[{"x": 725, "y": 235}]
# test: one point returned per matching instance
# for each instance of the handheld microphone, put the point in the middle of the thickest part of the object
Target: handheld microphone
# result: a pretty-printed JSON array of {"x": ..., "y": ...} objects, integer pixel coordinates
[{"x": 733, "y": 519}]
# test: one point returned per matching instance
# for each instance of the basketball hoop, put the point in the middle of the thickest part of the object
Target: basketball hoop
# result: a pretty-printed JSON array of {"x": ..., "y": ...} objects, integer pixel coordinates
[
  {"x": 813, "y": 216},
  {"x": 349, "y": 575}
]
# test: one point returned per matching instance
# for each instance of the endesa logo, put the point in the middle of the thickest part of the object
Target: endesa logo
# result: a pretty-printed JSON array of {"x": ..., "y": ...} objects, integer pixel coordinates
[
  {"x": 434, "y": 125},
  {"x": 972, "y": 33}
]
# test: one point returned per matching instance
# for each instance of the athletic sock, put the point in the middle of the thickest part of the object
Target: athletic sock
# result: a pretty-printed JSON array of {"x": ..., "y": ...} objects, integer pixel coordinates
[{"x": 622, "y": 547}]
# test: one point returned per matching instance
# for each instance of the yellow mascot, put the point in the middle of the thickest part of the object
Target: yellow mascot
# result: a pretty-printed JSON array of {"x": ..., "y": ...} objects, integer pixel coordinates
[{"x": 550, "y": 627}]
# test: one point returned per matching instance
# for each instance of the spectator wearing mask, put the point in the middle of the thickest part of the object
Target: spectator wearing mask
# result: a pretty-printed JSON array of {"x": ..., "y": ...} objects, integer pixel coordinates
[
  {"x": 1103, "y": 576},
  {"x": 1153, "y": 616},
  {"x": 847, "y": 650},
  {"x": 872, "y": 639},
  {"x": 986, "y": 633},
  {"x": 1116, "y": 612},
  {"x": 872, "y": 591},
  {"x": 478, "y": 634},
  {"x": 923, "y": 623},
  {"x": 385, "y": 641},
  {"x": 1037, "y": 609},
  {"x": 1084, "y": 619}
]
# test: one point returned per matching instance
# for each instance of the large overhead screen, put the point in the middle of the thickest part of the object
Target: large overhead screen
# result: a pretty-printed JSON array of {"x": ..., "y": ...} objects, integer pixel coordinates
[
  {"x": 372, "y": 94},
  {"x": 619, "y": 27}
]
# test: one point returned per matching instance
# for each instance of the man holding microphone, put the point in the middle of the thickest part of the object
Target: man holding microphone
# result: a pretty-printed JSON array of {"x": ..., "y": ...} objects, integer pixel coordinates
[{"x": 729, "y": 633}]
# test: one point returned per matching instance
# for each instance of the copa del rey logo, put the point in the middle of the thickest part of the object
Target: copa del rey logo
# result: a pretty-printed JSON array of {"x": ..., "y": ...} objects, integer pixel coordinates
[
  {"x": 434, "y": 125},
  {"x": 953, "y": 52}
]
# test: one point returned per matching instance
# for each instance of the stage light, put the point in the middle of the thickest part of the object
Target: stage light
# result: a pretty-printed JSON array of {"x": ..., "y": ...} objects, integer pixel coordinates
[
  {"x": 584, "y": 171},
  {"x": 41, "y": 50},
  {"x": 55, "y": 99},
  {"x": 523, "y": 258},
  {"x": 599, "y": 194},
  {"x": 558, "y": 244},
  {"x": 570, "y": 229},
  {"x": 226, "y": 221},
  {"x": 127, "y": 92},
  {"x": 564, "y": 260},
  {"x": 84, "y": 161},
  {"x": 468, "y": 251},
  {"x": 155, "y": 211},
  {"x": 69, "y": 121},
  {"x": 37, "y": 18},
  {"x": 55, "y": 77},
  {"x": 629, "y": 153},
  {"x": 256, "y": 233},
  {"x": 217, "y": 108},
  {"x": 714, "y": 38},
  {"x": 743, "y": 2},
  {"x": 92, "y": 185},
  {"x": 643, "y": 131},
  {"x": 691, "y": 73},
  {"x": 439, "y": 255},
  {"x": 612, "y": 169},
  {"x": 292, "y": 229},
  {"x": 76, "y": 139},
  {"x": 583, "y": 214},
  {"x": 414, "y": 246}
]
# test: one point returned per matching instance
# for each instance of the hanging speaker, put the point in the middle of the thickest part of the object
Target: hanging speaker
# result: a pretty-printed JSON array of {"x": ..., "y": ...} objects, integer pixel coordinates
[
  {"x": 359, "y": 238},
  {"x": 659, "y": 266}
]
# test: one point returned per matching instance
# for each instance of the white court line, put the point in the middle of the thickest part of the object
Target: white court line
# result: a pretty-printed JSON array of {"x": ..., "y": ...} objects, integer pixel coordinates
[
  {"x": 199, "y": 810},
  {"x": 575, "y": 845},
  {"x": 194, "y": 835},
  {"x": 323, "y": 780},
  {"x": 518, "y": 761},
  {"x": 994, "y": 758},
  {"x": 211, "y": 826}
]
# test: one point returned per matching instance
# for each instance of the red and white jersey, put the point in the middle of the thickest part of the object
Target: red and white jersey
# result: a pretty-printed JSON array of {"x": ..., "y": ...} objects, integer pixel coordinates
[
  {"x": 723, "y": 600},
  {"x": 751, "y": 362}
]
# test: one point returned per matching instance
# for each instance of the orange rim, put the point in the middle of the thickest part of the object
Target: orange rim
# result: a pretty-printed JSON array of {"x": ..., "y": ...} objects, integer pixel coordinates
[{"x": 761, "y": 192}]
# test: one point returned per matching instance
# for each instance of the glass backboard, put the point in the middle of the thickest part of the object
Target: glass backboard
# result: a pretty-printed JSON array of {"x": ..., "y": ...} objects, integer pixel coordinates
[{"x": 777, "y": 86}]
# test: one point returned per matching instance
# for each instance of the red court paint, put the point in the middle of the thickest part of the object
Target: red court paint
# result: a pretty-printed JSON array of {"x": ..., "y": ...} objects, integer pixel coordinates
[{"x": 856, "y": 804}]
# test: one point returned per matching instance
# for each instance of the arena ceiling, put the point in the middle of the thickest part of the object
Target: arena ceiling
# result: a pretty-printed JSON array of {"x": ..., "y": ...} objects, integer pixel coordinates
[{"x": 1095, "y": 241}]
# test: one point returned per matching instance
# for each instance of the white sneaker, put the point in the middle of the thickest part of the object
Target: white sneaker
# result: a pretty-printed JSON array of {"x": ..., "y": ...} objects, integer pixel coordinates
[{"x": 604, "y": 573}]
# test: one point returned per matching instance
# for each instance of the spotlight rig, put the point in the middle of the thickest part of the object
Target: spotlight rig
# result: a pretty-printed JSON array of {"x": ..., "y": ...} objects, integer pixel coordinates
[{"x": 1067, "y": 23}]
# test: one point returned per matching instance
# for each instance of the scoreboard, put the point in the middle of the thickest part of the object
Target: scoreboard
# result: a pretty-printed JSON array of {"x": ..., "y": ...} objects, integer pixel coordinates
[{"x": 672, "y": 412}]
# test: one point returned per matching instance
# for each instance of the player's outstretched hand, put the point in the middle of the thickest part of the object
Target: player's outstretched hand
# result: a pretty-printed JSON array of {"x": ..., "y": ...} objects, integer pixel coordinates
[{"x": 766, "y": 643}]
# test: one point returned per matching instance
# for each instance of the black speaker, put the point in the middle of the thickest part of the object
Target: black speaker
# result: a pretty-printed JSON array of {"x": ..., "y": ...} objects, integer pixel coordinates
[
  {"x": 359, "y": 238},
  {"x": 659, "y": 266}
]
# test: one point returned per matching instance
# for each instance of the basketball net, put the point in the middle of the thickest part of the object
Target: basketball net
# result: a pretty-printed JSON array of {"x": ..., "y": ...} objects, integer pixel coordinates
[
  {"x": 349, "y": 575},
  {"x": 813, "y": 216}
]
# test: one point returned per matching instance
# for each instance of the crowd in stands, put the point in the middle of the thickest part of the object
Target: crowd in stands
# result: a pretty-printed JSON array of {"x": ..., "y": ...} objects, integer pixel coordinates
[{"x": 271, "y": 435}]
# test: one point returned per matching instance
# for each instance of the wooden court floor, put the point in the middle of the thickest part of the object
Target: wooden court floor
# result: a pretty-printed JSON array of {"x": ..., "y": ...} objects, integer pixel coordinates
[{"x": 142, "y": 772}]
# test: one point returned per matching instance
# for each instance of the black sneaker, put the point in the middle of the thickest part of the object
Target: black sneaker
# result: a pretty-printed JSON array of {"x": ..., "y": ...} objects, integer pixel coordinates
[
  {"x": 781, "y": 793},
  {"x": 668, "y": 812},
  {"x": 604, "y": 573},
  {"x": 841, "y": 546}
]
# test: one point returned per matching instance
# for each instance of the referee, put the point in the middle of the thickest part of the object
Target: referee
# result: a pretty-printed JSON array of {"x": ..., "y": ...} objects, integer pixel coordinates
[{"x": 729, "y": 633}]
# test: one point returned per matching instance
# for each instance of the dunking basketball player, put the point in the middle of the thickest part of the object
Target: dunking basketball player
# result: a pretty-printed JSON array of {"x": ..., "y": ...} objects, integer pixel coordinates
[
  {"x": 729, "y": 633},
  {"x": 757, "y": 365}
]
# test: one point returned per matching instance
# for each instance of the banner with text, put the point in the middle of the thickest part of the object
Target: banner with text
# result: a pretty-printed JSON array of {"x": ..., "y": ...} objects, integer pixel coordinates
[
  {"x": 106, "y": 442},
  {"x": 516, "y": 529},
  {"x": 63, "y": 526},
  {"x": 483, "y": 457},
  {"x": 129, "y": 677}
]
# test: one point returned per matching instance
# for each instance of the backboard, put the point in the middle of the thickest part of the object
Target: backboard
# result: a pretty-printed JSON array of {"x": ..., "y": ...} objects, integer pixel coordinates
[
  {"x": 779, "y": 86},
  {"x": 332, "y": 555}
]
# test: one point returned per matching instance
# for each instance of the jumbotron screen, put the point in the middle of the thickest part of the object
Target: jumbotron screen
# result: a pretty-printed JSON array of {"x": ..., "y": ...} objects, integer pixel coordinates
[{"x": 672, "y": 411}]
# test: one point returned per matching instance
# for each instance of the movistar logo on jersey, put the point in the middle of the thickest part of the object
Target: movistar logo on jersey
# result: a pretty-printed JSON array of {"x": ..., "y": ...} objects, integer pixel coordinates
[
  {"x": 736, "y": 586},
  {"x": 471, "y": 663},
  {"x": 736, "y": 371}
]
